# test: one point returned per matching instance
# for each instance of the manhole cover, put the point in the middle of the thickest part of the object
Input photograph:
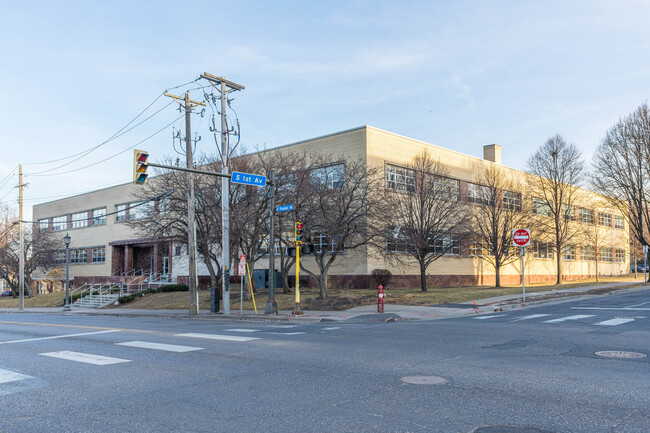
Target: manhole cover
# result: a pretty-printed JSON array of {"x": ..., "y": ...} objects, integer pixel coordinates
[
  {"x": 425, "y": 380},
  {"x": 510, "y": 429},
  {"x": 620, "y": 354}
]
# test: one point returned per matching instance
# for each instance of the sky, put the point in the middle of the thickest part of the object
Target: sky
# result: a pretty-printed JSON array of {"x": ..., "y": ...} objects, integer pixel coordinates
[{"x": 457, "y": 74}]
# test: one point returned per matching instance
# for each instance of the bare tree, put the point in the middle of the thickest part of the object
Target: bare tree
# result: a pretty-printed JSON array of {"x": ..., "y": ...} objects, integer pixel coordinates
[
  {"x": 557, "y": 170},
  {"x": 621, "y": 172},
  {"x": 426, "y": 214},
  {"x": 496, "y": 212}
]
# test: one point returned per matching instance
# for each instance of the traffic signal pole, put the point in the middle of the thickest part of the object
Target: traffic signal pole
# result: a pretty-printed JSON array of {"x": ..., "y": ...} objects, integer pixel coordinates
[
  {"x": 297, "y": 236},
  {"x": 271, "y": 306}
]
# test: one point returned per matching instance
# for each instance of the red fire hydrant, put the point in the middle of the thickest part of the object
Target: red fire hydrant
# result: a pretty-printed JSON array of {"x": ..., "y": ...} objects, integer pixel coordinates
[{"x": 380, "y": 299}]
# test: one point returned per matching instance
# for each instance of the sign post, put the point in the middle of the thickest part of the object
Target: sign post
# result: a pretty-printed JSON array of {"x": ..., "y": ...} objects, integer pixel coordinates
[
  {"x": 242, "y": 273},
  {"x": 645, "y": 263},
  {"x": 521, "y": 238}
]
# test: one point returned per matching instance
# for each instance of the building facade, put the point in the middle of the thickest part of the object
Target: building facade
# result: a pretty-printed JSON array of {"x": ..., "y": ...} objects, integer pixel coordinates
[{"x": 104, "y": 247}]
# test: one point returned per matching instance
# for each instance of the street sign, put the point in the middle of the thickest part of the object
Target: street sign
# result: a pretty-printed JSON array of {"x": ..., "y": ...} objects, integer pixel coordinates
[
  {"x": 248, "y": 179},
  {"x": 242, "y": 264},
  {"x": 521, "y": 237},
  {"x": 645, "y": 249},
  {"x": 285, "y": 208}
]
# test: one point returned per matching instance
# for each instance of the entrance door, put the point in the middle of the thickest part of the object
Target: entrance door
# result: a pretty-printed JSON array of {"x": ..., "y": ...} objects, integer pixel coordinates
[{"x": 165, "y": 267}]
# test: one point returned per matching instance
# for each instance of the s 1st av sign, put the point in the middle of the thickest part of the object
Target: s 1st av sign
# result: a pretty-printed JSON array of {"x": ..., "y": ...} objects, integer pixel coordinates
[
  {"x": 248, "y": 179},
  {"x": 285, "y": 208}
]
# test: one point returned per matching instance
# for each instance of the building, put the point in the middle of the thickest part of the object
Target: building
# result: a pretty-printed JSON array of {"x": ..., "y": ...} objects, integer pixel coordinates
[{"x": 104, "y": 248}]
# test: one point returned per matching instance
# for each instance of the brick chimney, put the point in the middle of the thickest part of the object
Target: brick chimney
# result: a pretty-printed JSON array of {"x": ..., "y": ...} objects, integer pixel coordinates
[{"x": 492, "y": 152}]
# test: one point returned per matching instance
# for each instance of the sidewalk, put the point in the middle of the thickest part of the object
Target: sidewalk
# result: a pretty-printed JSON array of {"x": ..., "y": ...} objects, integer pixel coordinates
[{"x": 366, "y": 313}]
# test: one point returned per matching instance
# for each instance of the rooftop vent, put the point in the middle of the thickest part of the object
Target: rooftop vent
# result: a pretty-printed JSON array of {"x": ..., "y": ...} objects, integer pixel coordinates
[{"x": 492, "y": 152}]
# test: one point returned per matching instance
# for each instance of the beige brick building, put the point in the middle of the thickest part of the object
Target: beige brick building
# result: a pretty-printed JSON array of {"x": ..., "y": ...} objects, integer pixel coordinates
[{"x": 104, "y": 247}]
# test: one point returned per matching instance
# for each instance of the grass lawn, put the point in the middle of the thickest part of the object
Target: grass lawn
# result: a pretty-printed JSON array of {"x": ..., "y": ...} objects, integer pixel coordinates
[{"x": 339, "y": 299}]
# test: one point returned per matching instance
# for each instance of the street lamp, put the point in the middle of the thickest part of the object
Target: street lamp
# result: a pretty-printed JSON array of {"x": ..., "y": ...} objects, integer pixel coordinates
[{"x": 66, "y": 241}]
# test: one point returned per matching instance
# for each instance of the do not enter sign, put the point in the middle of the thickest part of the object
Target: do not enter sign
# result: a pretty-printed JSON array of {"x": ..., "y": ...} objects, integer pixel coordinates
[{"x": 521, "y": 237}]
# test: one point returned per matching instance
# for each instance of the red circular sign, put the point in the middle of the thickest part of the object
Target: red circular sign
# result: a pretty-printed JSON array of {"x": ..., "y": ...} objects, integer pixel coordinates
[{"x": 521, "y": 237}]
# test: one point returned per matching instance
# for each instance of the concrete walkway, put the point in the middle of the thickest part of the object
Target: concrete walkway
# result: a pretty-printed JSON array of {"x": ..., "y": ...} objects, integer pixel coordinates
[{"x": 366, "y": 313}]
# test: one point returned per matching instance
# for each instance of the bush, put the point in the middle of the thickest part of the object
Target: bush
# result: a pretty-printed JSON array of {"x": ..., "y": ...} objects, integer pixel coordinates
[
  {"x": 162, "y": 289},
  {"x": 174, "y": 288},
  {"x": 381, "y": 276}
]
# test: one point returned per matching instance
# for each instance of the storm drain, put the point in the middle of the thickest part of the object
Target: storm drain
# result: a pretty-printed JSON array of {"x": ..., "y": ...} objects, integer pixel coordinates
[
  {"x": 424, "y": 380},
  {"x": 510, "y": 429},
  {"x": 620, "y": 354}
]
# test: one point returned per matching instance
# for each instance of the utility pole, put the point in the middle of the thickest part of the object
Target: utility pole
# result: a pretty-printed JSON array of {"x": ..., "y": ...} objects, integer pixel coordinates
[
  {"x": 21, "y": 260},
  {"x": 224, "y": 88},
  {"x": 271, "y": 306},
  {"x": 188, "y": 105}
]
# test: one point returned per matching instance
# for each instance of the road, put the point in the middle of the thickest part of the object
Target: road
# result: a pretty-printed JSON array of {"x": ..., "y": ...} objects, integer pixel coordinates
[{"x": 528, "y": 370}]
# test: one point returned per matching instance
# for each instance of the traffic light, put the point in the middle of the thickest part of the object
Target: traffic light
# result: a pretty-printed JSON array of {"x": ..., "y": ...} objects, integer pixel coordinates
[
  {"x": 298, "y": 232},
  {"x": 140, "y": 166}
]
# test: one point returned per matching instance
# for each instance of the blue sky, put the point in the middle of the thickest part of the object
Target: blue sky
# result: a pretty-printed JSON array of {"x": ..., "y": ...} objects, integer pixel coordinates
[{"x": 458, "y": 74}]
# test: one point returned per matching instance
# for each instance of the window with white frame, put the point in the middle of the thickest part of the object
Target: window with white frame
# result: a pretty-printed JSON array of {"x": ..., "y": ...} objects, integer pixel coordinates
[
  {"x": 43, "y": 224},
  {"x": 99, "y": 216},
  {"x": 619, "y": 222},
  {"x": 586, "y": 215},
  {"x": 448, "y": 244},
  {"x": 444, "y": 187},
  {"x": 587, "y": 253},
  {"x": 512, "y": 200},
  {"x": 121, "y": 212},
  {"x": 60, "y": 223},
  {"x": 479, "y": 194},
  {"x": 604, "y": 219},
  {"x": 569, "y": 252},
  {"x": 605, "y": 254},
  {"x": 323, "y": 243},
  {"x": 479, "y": 249},
  {"x": 58, "y": 257},
  {"x": 396, "y": 241},
  {"x": 164, "y": 206},
  {"x": 569, "y": 212},
  {"x": 79, "y": 219},
  {"x": 541, "y": 207},
  {"x": 543, "y": 250},
  {"x": 619, "y": 255},
  {"x": 330, "y": 176},
  {"x": 139, "y": 210},
  {"x": 99, "y": 255},
  {"x": 78, "y": 255},
  {"x": 399, "y": 178}
]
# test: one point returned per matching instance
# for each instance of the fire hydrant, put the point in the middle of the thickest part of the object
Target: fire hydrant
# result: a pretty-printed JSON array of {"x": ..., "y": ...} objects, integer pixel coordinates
[{"x": 380, "y": 299}]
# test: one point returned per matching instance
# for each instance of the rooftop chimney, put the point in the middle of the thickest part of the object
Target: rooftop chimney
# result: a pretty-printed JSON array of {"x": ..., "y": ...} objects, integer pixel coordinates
[{"x": 492, "y": 152}]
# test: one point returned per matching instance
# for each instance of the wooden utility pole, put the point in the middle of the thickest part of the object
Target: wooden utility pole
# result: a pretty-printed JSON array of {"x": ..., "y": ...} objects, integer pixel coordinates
[
  {"x": 188, "y": 105},
  {"x": 21, "y": 259}
]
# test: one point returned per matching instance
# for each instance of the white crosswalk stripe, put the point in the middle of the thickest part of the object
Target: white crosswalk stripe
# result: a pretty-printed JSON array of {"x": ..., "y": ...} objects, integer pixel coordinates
[
  {"x": 488, "y": 317},
  {"x": 614, "y": 322},
  {"x": 218, "y": 337},
  {"x": 11, "y": 376},
  {"x": 287, "y": 333},
  {"x": 530, "y": 316},
  {"x": 568, "y": 318},
  {"x": 242, "y": 330},
  {"x": 159, "y": 346},
  {"x": 88, "y": 358}
]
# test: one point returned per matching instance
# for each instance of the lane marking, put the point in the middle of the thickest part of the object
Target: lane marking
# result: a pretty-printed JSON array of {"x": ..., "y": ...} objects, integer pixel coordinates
[
  {"x": 530, "y": 316},
  {"x": 87, "y": 358},
  {"x": 59, "y": 336},
  {"x": 10, "y": 376},
  {"x": 242, "y": 330},
  {"x": 218, "y": 337},
  {"x": 564, "y": 319},
  {"x": 287, "y": 333},
  {"x": 614, "y": 322},
  {"x": 638, "y": 305},
  {"x": 58, "y": 325},
  {"x": 283, "y": 326},
  {"x": 159, "y": 346},
  {"x": 488, "y": 317},
  {"x": 331, "y": 328},
  {"x": 611, "y": 308}
]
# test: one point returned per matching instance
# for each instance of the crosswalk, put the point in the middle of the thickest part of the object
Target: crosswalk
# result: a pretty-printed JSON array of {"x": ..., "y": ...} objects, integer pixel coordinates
[{"x": 548, "y": 318}]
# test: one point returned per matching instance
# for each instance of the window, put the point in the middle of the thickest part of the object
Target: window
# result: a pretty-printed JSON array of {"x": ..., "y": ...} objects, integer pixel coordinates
[
  {"x": 586, "y": 215},
  {"x": 121, "y": 212},
  {"x": 78, "y": 255},
  {"x": 43, "y": 225},
  {"x": 400, "y": 179},
  {"x": 59, "y": 257},
  {"x": 587, "y": 253},
  {"x": 605, "y": 254},
  {"x": 512, "y": 200},
  {"x": 569, "y": 212},
  {"x": 604, "y": 219},
  {"x": 619, "y": 222},
  {"x": 60, "y": 223},
  {"x": 479, "y": 194},
  {"x": 99, "y": 216},
  {"x": 322, "y": 243},
  {"x": 569, "y": 252},
  {"x": 444, "y": 187},
  {"x": 79, "y": 220},
  {"x": 619, "y": 255},
  {"x": 163, "y": 206},
  {"x": 177, "y": 250},
  {"x": 99, "y": 254},
  {"x": 330, "y": 176},
  {"x": 542, "y": 250},
  {"x": 396, "y": 241},
  {"x": 447, "y": 244},
  {"x": 479, "y": 249},
  {"x": 541, "y": 207}
]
